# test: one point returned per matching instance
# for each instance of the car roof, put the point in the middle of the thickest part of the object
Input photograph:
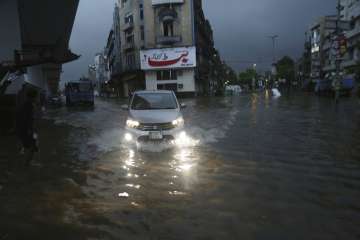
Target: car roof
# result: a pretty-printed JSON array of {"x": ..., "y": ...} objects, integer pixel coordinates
[{"x": 153, "y": 91}]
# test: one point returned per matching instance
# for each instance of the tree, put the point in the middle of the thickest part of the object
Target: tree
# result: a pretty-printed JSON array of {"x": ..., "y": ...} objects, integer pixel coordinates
[
  {"x": 285, "y": 68},
  {"x": 246, "y": 77},
  {"x": 231, "y": 76}
]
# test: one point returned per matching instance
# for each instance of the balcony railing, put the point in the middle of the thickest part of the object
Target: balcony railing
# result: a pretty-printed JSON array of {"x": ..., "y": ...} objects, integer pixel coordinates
[
  {"x": 168, "y": 15},
  {"x": 168, "y": 40},
  {"x": 128, "y": 25},
  {"x": 129, "y": 46},
  {"x": 348, "y": 63},
  {"x": 353, "y": 33}
]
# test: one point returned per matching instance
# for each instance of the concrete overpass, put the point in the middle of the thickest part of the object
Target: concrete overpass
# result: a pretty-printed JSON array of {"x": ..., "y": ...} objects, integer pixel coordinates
[{"x": 35, "y": 37}]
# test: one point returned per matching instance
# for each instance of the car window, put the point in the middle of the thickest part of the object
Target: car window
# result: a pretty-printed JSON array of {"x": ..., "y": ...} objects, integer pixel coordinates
[{"x": 153, "y": 101}]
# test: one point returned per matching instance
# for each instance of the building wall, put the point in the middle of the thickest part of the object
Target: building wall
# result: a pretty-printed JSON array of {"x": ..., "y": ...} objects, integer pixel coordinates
[
  {"x": 102, "y": 75},
  {"x": 352, "y": 14},
  {"x": 183, "y": 24},
  {"x": 117, "y": 42}
]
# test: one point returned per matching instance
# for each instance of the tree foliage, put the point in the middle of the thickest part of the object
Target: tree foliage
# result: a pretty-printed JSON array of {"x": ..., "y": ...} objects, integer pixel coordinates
[
  {"x": 232, "y": 76},
  {"x": 246, "y": 77},
  {"x": 286, "y": 69}
]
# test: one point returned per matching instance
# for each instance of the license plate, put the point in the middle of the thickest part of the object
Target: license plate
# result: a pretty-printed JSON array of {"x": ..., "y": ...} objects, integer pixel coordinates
[{"x": 155, "y": 135}]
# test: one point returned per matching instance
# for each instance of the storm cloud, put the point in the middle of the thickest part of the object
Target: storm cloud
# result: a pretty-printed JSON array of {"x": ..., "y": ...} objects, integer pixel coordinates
[{"x": 241, "y": 29}]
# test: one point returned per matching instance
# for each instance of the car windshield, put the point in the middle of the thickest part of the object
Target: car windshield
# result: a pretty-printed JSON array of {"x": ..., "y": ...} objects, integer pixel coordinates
[{"x": 154, "y": 101}]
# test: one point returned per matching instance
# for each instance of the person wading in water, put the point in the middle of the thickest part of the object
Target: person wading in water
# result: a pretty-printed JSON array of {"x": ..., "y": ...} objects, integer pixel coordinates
[{"x": 25, "y": 127}]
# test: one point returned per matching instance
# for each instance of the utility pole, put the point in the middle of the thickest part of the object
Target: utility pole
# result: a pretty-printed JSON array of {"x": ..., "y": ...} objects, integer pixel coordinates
[
  {"x": 273, "y": 67},
  {"x": 337, "y": 82},
  {"x": 273, "y": 38}
]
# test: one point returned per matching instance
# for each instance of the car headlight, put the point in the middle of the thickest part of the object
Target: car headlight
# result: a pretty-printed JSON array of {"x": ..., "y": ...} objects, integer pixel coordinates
[
  {"x": 132, "y": 124},
  {"x": 178, "y": 122}
]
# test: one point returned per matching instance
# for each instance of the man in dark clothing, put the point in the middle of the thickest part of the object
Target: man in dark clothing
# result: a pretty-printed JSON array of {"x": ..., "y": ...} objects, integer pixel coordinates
[{"x": 25, "y": 127}]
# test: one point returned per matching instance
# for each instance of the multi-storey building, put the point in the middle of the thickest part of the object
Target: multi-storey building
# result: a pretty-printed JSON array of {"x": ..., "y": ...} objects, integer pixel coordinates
[
  {"x": 113, "y": 46},
  {"x": 165, "y": 44},
  {"x": 101, "y": 70},
  {"x": 323, "y": 41},
  {"x": 351, "y": 12},
  {"x": 320, "y": 31}
]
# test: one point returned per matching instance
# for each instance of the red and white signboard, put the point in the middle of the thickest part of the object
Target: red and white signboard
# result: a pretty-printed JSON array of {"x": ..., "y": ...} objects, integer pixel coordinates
[{"x": 167, "y": 58}]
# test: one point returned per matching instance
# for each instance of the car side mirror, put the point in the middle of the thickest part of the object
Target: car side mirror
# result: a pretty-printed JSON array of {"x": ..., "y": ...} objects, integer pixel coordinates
[
  {"x": 125, "y": 107},
  {"x": 182, "y": 105}
]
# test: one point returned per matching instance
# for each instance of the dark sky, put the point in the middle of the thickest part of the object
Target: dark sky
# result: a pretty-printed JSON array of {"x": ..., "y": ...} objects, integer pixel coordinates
[{"x": 241, "y": 29}]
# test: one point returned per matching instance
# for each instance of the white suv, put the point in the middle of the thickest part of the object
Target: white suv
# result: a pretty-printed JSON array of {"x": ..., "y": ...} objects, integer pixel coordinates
[{"x": 154, "y": 116}]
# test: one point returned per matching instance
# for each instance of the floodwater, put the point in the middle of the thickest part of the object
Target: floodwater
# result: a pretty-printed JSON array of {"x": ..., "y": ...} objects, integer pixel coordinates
[{"x": 254, "y": 167}]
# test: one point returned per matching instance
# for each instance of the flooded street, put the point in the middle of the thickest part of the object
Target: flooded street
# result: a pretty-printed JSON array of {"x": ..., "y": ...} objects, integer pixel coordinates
[{"x": 253, "y": 167}]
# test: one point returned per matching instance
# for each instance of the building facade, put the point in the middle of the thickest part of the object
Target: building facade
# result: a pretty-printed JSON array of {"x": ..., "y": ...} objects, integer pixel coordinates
[
  {"x": 351, "y": 13},
  {"x": 324, "y": 41},
  {"x": 163, "y": 44},
  {"x": 320, "y": 32},
  {"x": 113, "y": 54},
  {"x": 101, "y": 71}
]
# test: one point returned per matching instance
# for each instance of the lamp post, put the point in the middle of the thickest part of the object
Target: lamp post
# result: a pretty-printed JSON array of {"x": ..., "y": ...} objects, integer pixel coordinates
[{"x": 254, "y": 77}]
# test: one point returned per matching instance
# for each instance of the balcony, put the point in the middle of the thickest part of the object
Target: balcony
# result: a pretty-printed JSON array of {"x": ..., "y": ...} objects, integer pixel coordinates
[
  {"x": 128, "y": 26},
  {"x": 129, "y": 46},
  {"x": 160, "y": 2},
  {"x": 168, "y": 14},
  {"x": 131, "y": 68},
  {"x": 348, "y": 63},
  {"x": 168, "y": 40},
  {"x": 353, "y": 33},
  {"x": 329, "y": 68}
]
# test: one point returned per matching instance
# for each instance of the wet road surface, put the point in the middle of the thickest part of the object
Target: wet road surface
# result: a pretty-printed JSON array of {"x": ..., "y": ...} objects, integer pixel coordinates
[{"x": 254, "y": 168}]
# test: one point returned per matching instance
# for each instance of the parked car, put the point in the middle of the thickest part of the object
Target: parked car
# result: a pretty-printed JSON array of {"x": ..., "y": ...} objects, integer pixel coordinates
[
  {"x": 54, "y": 101},
  {"x": 233, "y": 90},
  {"x": 154, "y": 116}
]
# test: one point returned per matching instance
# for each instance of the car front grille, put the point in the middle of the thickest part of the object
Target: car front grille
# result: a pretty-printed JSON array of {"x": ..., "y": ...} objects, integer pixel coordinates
[
  {"x": 155, "y": 126},
  {"x": 145, "y": 139}
]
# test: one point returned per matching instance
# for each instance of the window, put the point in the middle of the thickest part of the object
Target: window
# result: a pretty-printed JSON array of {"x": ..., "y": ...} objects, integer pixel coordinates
[
  {"x": 141, "y": 12},
  {"x": 166, "y": 75},
  {"x": 123, "y": 3},
  {"x": 130, "y": 39},
  {"x": 142, "y": 33},
  {"x": 129, "y": 18},
  {"x": 170, "y": 87},
  {"x": 154, "y": 101},
  {"x": 168, "y": 28},
  {"x": 130, "y": 60}
]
